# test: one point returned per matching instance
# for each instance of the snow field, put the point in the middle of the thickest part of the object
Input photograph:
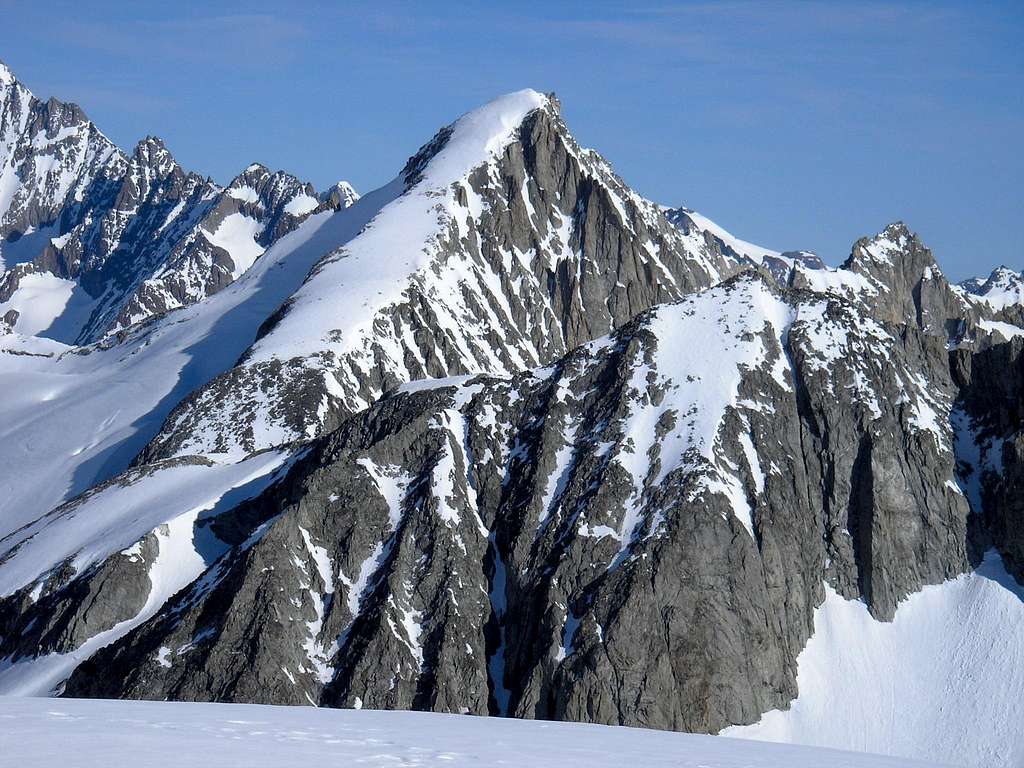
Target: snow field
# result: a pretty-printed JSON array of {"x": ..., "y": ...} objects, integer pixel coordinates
[{"x": 41, "y": 733}]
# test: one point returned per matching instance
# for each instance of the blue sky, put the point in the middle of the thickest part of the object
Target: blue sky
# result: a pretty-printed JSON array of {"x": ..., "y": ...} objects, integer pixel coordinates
[{"x": 793, "y": 124}]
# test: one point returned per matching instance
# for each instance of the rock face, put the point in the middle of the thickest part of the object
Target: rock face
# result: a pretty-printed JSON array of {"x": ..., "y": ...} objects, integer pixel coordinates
[
  {"x": 989, "y": 422},
  {"x": 522, "y": 443},
  {"x": 607, "y": 539},
  {"x": 135, "y": 234}
]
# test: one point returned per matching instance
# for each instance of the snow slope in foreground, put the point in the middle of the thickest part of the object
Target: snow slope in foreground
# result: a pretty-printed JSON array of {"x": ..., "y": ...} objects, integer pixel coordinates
[
  {"x": 39, "y": 733},
  {"x": 944, "y": 680}
]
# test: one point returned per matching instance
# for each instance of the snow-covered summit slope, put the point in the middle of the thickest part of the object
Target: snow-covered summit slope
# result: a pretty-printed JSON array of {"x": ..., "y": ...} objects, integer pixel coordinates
[
  {"x": 129, "y": 235},
  {"x": 371, "y": 271},
  {"x": 92, "y": 734},
  {"x": 1000, "y": 289},
  {"x": 505, "y": 245}
]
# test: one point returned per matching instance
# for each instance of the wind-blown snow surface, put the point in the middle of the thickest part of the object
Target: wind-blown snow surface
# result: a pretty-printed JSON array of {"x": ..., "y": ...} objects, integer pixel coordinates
[
  {"x": 954, "y": 650},
  {"x": 41, "y": 733}
]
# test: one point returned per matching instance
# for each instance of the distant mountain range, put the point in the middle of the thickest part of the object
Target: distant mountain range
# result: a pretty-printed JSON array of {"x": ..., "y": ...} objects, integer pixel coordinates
[
  {"x": 500, "y": 437},
  {"x": 120, "y": 238}
]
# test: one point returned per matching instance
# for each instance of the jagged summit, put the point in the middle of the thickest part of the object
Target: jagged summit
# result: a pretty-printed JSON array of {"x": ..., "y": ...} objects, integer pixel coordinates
[
  {"x": 460, "y": 147},
  {"x": 895, "y": 241},
  {"x": 150, "y": 144}
]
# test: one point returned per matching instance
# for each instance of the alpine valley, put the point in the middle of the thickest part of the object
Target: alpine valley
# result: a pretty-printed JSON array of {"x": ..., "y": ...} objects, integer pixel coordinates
[{"x": 503, "y": 438}]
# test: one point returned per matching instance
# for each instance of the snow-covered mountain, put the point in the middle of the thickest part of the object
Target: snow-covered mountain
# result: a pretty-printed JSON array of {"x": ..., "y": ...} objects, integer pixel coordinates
[
  {"x": 1000, "y": 297},
  {"x": 93, "y": 240},
  {"x": 499, "y": 246},
  {"x": 1001, "y": 289},
  {"x": 503, "y": 437}
]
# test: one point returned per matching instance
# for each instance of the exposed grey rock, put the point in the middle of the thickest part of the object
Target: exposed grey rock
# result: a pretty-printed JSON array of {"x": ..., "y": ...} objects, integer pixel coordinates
[{"x": 990, "y": 445}]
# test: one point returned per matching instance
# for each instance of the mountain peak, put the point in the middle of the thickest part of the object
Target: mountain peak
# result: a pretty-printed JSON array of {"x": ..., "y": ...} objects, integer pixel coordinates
[
  {"x": 1003, "y": 288},
  {"x": 341, "y": 195},
  {"x": 1003, "y": 273},
  {"x": 472, "y": 139},
  {"x": 896, "y": 244},
  {"x": 254, "y": 169},
  {"x": 6, "y": 76},
  {"x": 254, "y": 175},
  {"x": 152, "y": 157},
  {"x": 347, "y": 189},
  {"x": 149, "y": 145},
  {"x": 898, "y": 229},
  {"x": 897, "y": 232}
]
